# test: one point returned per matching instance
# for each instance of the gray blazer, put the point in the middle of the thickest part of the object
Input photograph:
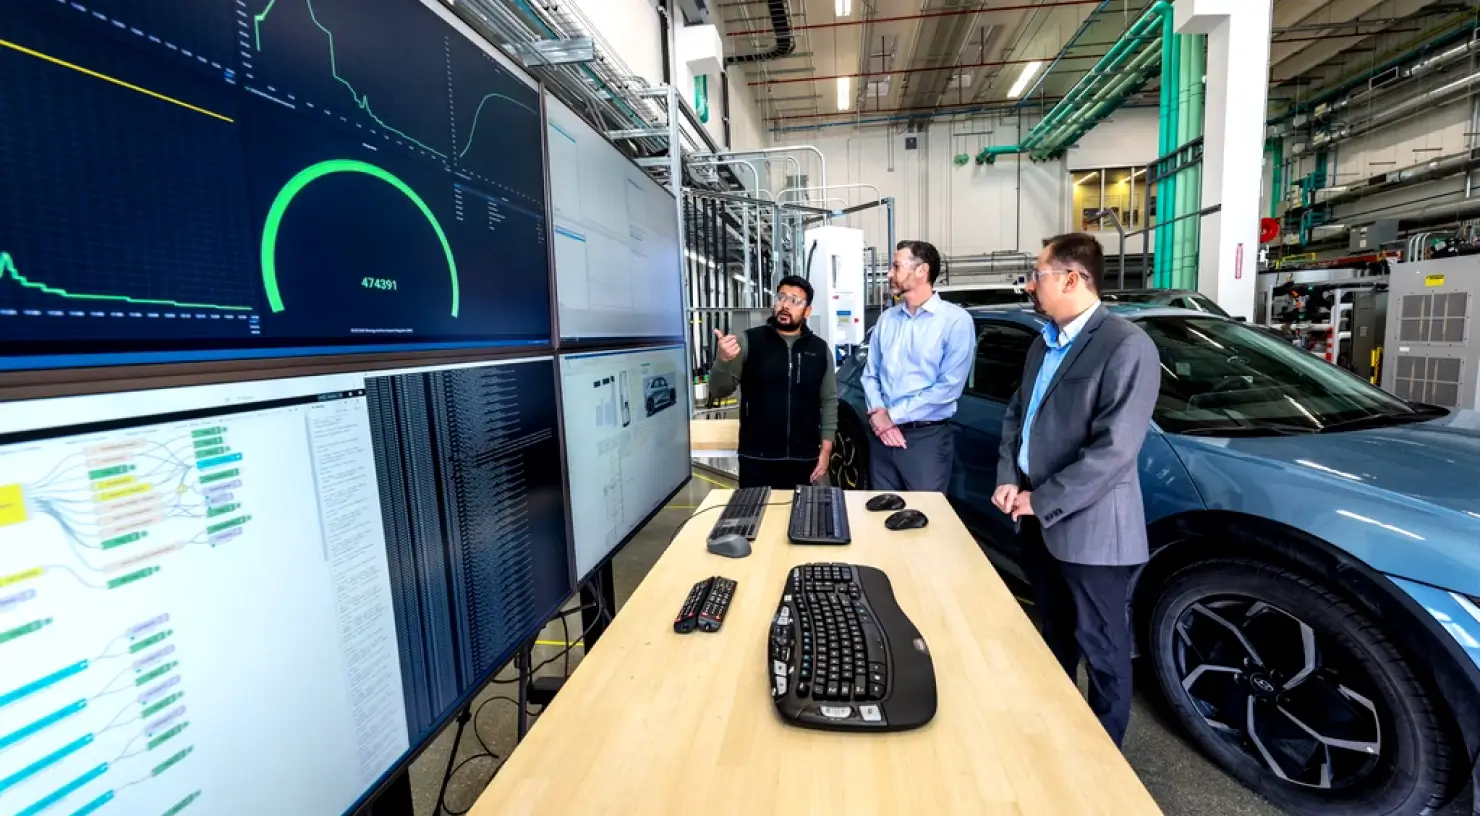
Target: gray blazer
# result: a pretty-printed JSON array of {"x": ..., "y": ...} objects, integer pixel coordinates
[{"x": 1086, "y": 439}]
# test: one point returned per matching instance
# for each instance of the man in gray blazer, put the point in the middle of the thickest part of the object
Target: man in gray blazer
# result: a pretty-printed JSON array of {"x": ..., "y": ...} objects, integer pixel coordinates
[{"x": 1066, "y": 471}]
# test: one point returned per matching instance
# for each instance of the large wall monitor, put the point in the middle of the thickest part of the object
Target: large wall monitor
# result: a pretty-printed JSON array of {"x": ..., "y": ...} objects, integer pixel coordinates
[
  {"x": 248, "y": 598},
  {"x": 617, "y": 268},
  {"x": 627, "y": 440},
  {"x": 210, "y": 180}
]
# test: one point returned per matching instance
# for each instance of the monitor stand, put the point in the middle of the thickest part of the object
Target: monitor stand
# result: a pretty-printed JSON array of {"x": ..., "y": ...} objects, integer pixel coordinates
[{"x": 599, "y": 589}]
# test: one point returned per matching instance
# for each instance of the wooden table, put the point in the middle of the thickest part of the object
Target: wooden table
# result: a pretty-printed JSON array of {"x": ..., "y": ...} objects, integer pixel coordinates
[
  {"x": 721, "y": 435},
  {"x": 654, "y": 722}
]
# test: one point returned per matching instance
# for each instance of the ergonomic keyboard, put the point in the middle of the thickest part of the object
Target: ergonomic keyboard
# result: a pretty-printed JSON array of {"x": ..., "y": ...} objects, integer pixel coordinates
[
  {"x": 844, "y": 656},
  {"x": 819, "y": 515},
  {"x": 742, "y": 515}
]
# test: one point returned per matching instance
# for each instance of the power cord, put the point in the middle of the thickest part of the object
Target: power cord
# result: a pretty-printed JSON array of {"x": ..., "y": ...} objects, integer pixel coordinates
[
  {"x": 565, "y": 653},
  {"x": 486, "y": 753}
]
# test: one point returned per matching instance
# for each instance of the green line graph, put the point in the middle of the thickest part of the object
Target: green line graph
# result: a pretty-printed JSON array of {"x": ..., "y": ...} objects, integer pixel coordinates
[
  {"x": 363, "y": 100},
  {"x": 8, "y": 271},
  {"x": 473, "y": 131}
]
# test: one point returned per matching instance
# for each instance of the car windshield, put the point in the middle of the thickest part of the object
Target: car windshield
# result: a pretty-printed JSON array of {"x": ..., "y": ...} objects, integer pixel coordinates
[
  {"x": 1185, "y": 300},
  {"x": 1221, "y": 378},
  {"x": 1199, "y": 303},
  {"x": 985, "y": 297}
]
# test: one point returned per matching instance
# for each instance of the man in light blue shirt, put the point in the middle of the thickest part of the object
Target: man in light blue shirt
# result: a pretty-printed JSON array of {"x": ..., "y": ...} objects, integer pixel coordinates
[{"x": 919, "y": 358}]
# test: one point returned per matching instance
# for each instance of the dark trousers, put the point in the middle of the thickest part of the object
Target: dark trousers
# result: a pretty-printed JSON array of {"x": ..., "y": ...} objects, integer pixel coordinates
[
  {"x": 1082, "y": 612},
  {"x": 924, "y": 465},
  {"x": 777, "y": 474}
]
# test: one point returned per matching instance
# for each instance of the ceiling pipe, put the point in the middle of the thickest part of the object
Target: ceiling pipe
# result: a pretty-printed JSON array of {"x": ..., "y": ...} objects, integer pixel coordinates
[
  {"x": 922, "y": 16},
  {"x": 1416, "y": 70},
  {"x": 1129, "y": 80},
  {"x": 786, "y": 41},
  {"x": 1092, "y": 88},
  {"x": 1408, "y": 107},
  {"x": 1063, "y": 52},
  {"x": 853, "y": 114},
  {"x": 769, "y": 152},
  {"x": 927, "y": 69},
  {"x": 1458, "y": 27},
  {"x": 879, "y": 120}
]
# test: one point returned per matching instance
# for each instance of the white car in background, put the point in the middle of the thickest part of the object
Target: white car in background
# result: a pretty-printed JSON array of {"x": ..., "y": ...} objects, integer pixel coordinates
[{"x": 984, "y": 294}]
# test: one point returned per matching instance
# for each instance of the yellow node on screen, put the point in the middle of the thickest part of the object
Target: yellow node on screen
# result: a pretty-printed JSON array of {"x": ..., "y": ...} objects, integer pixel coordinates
[{"x": 12, "y": 505}]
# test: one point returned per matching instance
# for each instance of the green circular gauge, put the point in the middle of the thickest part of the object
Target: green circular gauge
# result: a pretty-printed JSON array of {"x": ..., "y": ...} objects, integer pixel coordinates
[{"x": 308, "y": 176}]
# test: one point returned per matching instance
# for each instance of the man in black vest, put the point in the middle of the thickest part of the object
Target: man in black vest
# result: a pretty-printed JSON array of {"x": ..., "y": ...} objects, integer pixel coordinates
[{"x": 788, "y": 393}]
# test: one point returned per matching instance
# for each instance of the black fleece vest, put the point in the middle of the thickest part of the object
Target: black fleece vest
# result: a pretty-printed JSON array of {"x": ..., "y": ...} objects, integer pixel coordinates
[{"x": 781, "y": 395}]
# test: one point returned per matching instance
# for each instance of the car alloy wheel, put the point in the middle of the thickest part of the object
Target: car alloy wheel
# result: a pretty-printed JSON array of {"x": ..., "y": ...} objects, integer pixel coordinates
[
  {"x": 848, "y": 467},
  {"x": 1258, "y": 677},
  {"x": 1298, "y": 692}
]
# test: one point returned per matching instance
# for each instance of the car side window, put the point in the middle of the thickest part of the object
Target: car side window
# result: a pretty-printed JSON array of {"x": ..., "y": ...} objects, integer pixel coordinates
[{"x": 1001, "y": 352}]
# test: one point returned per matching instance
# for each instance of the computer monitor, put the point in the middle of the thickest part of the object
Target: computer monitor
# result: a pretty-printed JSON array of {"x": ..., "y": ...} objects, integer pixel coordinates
[
  {"x": 215, "y": 598},
  {"x": 617, "y": 269},
  {"x": 627, "y": 443},
  {"x": 219, "y": 180}
]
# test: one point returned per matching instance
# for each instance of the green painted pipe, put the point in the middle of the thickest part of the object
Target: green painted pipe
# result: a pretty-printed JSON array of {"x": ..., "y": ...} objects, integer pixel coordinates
[
  {"x": 1186, "y": 189},
  {"x": 1192, "y": 199},
  {"x": 1164, "y": 146},
  {"x": 1169, "y": 205},
  {"x": 1179, "y": 197},
  {"x": 1130, "y": 78},
  {"x": 1277, "y": 175},
  {"x": 1095, "y": 111},
  {"x": 1160, "y": 11}
]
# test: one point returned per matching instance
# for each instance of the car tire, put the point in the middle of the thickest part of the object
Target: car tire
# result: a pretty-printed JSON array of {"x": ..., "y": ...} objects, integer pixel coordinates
[
  {"x": 1296, "y": 692},
  {"x": 848, "y": 467}
]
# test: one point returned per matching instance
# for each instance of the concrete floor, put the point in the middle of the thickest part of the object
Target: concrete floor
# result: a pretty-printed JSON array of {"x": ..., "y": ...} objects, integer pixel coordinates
[{"x": 1179, "y": 778}]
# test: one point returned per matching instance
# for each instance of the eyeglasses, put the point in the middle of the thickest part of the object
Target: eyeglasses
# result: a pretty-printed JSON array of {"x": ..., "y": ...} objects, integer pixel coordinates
[
  {"x": 791, "y": 300},
  {"x": 1039, "y": 274}
]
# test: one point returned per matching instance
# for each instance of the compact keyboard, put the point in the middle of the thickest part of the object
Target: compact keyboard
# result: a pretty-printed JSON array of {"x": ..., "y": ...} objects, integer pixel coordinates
[
  {"x": 819, "y": 515},
  {"x": 844, "y": 656},
  {"x": 742, "y": 515}
]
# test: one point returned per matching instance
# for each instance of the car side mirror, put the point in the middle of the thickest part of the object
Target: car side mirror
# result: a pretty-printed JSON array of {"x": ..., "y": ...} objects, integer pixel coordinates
[{"x": 1241, "y": 319}]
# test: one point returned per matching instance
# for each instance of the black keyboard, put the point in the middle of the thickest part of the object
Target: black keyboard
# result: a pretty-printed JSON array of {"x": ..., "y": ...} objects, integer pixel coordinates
[
  {"x": 743, "y": 513},
  {"x": 843, "y": 656},
  {"x": 819, "y": 516}
]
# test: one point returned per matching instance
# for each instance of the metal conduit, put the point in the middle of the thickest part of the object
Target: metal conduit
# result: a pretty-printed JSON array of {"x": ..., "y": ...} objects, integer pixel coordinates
[
  {"x": 1408, "y": 107},
  {"x": 1415, "y": 71}
]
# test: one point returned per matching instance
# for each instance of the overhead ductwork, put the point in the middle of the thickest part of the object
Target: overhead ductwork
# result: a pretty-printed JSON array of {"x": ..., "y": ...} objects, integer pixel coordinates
[
  {"x": 786, "y": 41},
  {"x": 1408, "y": 107},
  {"x": 1422, "y": 68}
]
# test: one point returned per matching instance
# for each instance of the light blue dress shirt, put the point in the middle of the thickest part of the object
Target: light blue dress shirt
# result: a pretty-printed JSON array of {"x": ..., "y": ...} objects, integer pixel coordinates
[
  {"x": 918, "y": 363},
  {"x": 1059, "y": 342}
]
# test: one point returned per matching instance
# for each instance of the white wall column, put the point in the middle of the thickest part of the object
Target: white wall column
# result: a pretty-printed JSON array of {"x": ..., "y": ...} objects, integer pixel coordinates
[{"x": 1233, "y": 142}]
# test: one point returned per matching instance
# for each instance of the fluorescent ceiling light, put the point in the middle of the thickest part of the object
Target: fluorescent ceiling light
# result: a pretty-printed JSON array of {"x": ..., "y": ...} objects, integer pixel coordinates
[
  {"x": 1029, "y": 71},
  {"x": 843, "y": 7},
  {"x": 1086, "y": 178},
  {"x": 845, "y": 93}
]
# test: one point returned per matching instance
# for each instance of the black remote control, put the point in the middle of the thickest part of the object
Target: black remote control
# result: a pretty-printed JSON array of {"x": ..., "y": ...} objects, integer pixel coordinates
[
  {"x": 706, "y": 605},
  {"x": 688, "y": 616},
  {"x": 712, "y": 616}
]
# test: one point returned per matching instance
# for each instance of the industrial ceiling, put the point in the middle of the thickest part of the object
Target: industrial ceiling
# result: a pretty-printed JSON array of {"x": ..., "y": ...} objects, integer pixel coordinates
[{"x": 911, "y": 61}]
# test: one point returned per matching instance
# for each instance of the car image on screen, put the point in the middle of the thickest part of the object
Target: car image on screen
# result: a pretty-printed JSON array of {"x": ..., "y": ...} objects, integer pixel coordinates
[
  {"x": 658, "y": 394},
  {"x": 1310, "y": 613}
]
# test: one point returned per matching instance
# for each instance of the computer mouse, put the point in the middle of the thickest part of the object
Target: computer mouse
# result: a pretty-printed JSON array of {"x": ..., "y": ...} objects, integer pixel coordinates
[
  {"x": 885, "y": 501},
  {"x": 730, "y": 546},
  {"x": 906, "y": 520}
]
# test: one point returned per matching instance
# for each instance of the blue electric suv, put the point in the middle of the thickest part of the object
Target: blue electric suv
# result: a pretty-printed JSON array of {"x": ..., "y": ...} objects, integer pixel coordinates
[{"x": 1311, "y": 611}]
